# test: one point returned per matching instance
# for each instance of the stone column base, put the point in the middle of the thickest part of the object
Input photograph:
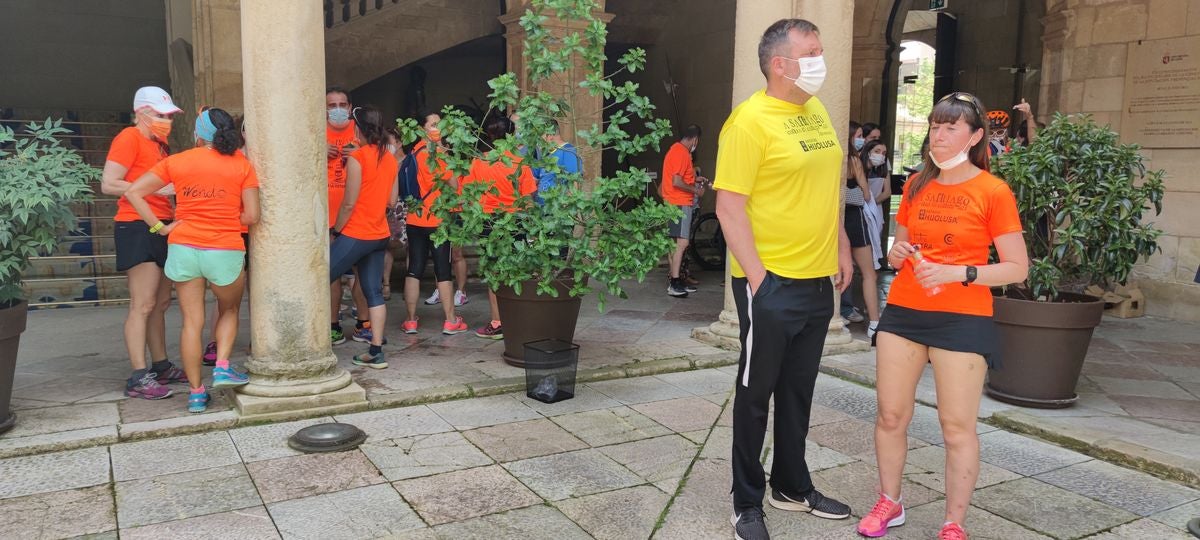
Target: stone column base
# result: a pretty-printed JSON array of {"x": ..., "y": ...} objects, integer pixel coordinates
[
  {"x": 725, "y": 334},
  {"x": 348, "y": 398}
]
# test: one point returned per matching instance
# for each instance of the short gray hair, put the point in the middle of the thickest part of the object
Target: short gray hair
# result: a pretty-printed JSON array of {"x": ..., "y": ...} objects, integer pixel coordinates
[{"x": 776, "y": 35}]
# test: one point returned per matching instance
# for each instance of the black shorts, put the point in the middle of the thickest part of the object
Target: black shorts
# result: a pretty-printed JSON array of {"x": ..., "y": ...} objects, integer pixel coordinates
[
  {"x": 136, "y": 245},
  {"x": 856, "y": 227},
  {"x": 948, "y": 331}
]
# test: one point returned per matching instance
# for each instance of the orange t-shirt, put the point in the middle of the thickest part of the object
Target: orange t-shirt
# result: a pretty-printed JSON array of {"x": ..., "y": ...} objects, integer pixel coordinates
[
  {"x": 208, "y": 190},
  {"x": 500, "y": 176},
  {"x": 138, "y": 154},
  {"x": 425, "y": 179},
  {"x": 677, "y": 162},
  {"x": 954, "y": 225},
  {"x": 336, "y": 167},
  {"x": 368, "y": 220}
]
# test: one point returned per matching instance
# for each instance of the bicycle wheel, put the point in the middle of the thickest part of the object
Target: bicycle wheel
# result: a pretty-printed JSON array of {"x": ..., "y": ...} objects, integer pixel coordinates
[{"x": 707, "y": 244}]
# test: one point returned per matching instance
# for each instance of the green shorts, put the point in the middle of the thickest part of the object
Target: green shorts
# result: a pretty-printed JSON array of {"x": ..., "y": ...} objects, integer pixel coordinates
[{"x": 219, "y": 266}]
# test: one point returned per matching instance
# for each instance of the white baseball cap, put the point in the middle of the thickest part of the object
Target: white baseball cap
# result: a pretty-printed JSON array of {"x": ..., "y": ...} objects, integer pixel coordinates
[{"x": 156, "y": 98}]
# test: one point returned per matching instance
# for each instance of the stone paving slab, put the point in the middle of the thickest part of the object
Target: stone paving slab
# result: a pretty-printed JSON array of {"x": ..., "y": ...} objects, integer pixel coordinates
[
  {"x": 269, "y": 441},
  {"x": 1120, "y": 487},
  {"x": 656, "y": 460},
  {"x": 533, "y": 523},
  {"x": 617, "y": 515},
  {"x": 1023, "y": 455},
  {"x": 682, "y": 414},
  {"x": 1143, "y": 529},
  {"x": 30, "y": 475},
  {"x": 572, "y": 474},
  {"x": 302, "y": 476},
  {"x": 91, "y": 511},
  {"x": 397, "y": 423},
  {"x": 132, "y": 461},
  {"x": 424, "y": 455},
  {"x": 69, "y": 418},
  {"x": 472, "y": 493},
  {"x": 1057, "y": 512},
  {"x": 245, "y": 524},
  {"x": 610, "y": 426},
  {"x": 923, "y": 522},
  {"x": 1179, "y": 516},
  {"x": 184, "y": 495},
  {"x": 489, "y": 411},
  {"x": 523, "y": 440},
  {"x": 367, "y": 512}
]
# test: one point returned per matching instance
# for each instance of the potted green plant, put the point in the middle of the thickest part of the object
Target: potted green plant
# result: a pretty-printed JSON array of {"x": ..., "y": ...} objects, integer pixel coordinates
[
  {"x": 584, "y": 235},
  {"x": 39, "y": 179},
  {"x": 1082, "y": 197}
]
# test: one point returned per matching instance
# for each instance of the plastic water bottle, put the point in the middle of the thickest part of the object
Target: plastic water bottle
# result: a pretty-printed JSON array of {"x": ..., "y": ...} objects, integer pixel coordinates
[{"x": 917, "y": 260}]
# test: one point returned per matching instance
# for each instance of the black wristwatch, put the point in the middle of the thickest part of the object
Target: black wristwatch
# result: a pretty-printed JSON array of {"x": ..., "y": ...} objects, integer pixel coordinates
[{"x": 972, "y": 275}]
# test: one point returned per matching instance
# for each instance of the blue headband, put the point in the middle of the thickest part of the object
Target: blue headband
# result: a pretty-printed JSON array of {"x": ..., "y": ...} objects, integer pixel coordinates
[{"x": 204, "y": 127}]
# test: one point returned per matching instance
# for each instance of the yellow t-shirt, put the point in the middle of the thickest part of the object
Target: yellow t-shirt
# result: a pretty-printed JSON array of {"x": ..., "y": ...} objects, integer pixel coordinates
[{"x": 786, "y": 158}]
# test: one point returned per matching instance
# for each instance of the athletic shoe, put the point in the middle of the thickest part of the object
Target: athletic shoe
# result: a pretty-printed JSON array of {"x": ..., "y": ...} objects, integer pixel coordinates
[
  {"x": 872, "y": 329},
  {"x": 409, "y": 327},
  {"x": 198, "y": 402},
  {"x": 210, "y": 354},
  {"x": 435, "y": 298},
  {"x": 885, "y": 514},
  {"x": 227, "y": 377},
  {"x": 689, "y": 288},
  {"x": 354, "y": 312},
  {"x": 362, "y": 335},
  {"x": 855, "y": 316},
  {"x": 952, "y": 531},
  {"x": 676, "y": 289},
  {"x": 491, "y": 332},
  {"x": 376, "y": 361},
  {"x": 460, "y": 298},
  {"x": 338, "y": 337},
  {"x": 147, "y": 388},
  {"x": 457, "y": 326},
  {"x": 820, "y": 505},
  {"x": 750, "y": 525},
  {"x": 170, "y": 375}
]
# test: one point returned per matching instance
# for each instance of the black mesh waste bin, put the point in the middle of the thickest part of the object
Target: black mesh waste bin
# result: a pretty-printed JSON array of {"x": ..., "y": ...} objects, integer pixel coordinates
[{"x": 550, "y": 367}]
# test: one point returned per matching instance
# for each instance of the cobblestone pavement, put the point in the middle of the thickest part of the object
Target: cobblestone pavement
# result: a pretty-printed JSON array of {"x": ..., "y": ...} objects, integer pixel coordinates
[{"x": 629, "y": 458}]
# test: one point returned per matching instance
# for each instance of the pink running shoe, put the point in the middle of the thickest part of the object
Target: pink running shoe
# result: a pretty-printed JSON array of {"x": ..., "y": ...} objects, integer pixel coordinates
[
  {"x": 147, "y": 388},
  {"x": 457, "y": 326},
  {"x": 409, "y": 327},
  {"x": 210, "y": 354},
  {"x": 886, "y": 513},
  {"x": 952, "y": 531}
]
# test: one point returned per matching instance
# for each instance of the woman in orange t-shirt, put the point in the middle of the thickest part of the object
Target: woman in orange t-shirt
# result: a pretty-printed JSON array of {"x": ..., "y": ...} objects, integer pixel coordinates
[
  {"x": 141, "y": 255},
  {"x": 422, "y": 224},
  {"x": 361, "y": 231},
  {"x": 940, "y": 305},
  {"x": 502, "y": 196},
  {"x": 217, "y": 193}
]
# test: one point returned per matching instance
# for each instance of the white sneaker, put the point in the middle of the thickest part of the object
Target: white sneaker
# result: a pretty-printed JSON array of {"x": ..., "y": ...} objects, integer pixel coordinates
[
  {"x": 434, "y": 298},
  {"x": 460, "y": 298}
]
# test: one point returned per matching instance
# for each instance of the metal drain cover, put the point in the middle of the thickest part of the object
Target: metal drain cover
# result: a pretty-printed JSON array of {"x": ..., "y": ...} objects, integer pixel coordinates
[{"x": 331, "y": 437}]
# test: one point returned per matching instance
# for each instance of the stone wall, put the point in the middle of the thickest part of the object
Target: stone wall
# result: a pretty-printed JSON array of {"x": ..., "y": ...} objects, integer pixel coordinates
[
  {"x": 1086, "y": 46},
  {"x": 80, "y": 56}
]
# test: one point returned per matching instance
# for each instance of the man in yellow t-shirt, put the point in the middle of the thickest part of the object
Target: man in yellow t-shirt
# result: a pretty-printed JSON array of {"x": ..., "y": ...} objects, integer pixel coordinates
[{"x": 778, "y": 186}]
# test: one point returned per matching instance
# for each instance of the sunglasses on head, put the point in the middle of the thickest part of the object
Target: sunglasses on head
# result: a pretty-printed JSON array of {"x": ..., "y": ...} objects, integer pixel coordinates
[{"x": 966, "y": 98}]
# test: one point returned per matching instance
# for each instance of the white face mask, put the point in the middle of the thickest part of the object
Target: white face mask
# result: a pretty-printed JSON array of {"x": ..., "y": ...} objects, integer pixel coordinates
[
  {"x": 953, "y": 162},
  {"x": 812, "y": 74},
  {"x": 877, "y": 160}
]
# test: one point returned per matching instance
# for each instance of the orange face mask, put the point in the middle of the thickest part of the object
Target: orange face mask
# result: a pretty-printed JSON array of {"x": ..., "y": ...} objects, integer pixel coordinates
[
  {"x": 435, "y": 134},
  {"x": 159, "y": 127}
]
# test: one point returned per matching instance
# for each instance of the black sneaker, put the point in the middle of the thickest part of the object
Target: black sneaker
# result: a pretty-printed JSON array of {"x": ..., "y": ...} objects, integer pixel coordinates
[
  {"x": 820, "y": 505},
  {"x": 690, "y": 288},
  {"x": 750, "y": 525},
  {"x": 675, "y": 288}
]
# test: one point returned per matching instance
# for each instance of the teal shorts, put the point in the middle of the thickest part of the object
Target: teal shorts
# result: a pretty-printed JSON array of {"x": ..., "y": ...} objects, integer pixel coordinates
[{"x": 219, "y": 266}]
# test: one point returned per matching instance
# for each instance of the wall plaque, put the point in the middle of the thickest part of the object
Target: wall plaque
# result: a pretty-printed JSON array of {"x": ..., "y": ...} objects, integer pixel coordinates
[{"x": 1162, "y": 93}]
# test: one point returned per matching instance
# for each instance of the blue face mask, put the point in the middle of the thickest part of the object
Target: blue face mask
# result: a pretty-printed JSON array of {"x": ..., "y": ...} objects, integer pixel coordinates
[
  {"x": 339, "y": 116},
  {"x": 859, "y": 142}
]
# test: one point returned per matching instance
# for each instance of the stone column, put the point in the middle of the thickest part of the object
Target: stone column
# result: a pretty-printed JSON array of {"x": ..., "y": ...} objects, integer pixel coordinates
[
  {"x": 292, "y": 367},
  {"x": 836, "y": 20},
  {"x": 585, "y": 108}
]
